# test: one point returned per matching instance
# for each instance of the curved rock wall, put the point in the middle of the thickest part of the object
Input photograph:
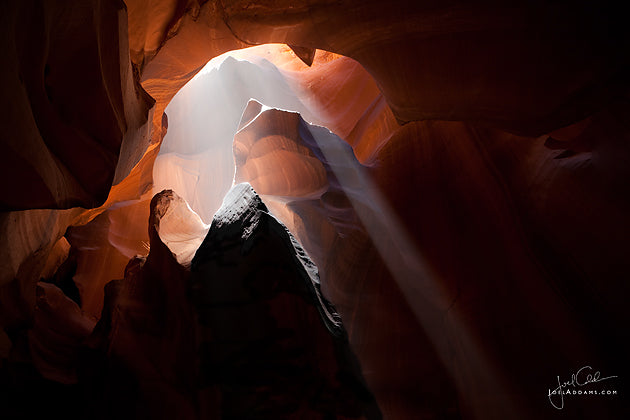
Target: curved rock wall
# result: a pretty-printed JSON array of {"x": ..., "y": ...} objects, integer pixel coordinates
[{"x": 505, "y": 191}]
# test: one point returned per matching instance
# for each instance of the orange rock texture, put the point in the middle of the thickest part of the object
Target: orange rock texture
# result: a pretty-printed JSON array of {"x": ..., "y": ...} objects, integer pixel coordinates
[{"x": 457, "y": 171}]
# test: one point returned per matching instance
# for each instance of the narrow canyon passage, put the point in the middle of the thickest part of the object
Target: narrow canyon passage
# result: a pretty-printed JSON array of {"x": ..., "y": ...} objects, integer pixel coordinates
[{"x": 269, "y": 210}]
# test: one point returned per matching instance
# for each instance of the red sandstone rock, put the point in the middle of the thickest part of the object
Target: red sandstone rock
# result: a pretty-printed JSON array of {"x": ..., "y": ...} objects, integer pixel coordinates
[
  {"x": 438, "y": 204},
  {"x": 73, "y": 114},
  {"x": 60, "y": 327},
  {"x": 471, "y": 61},
  {"x": 153, "y": 353},
  {"x": 529, "y": 241},
  {"x": 142, "y": 358},
  {"x": 339, "y": 218}
]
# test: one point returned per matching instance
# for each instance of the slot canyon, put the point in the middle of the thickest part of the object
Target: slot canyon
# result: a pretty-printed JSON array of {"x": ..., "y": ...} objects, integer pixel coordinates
[{"x": 323, "y": 209}]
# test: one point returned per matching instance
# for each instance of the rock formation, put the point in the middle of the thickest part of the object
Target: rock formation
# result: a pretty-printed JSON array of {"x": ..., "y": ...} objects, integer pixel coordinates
[
  {"x": 77, "y": 115},
  {"x": 271, "y": 343},
  {"x": 140, "y": 360},
  {"x": 327, "y": 197},
  {"x": 465, "y": 198},
  {"x": 246, "y": 334}
]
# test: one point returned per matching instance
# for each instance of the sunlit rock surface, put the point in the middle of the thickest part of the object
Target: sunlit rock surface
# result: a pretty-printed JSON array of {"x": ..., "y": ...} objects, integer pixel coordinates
[
  {"x": 524, "y": 238},
  {"x": 196, "y": 159},
  {"x": 180, "y": 228},
  {"x": 530, "y": 66},
  {"x": 196, "y": 155},
  {"x": 304, "y": 190}
]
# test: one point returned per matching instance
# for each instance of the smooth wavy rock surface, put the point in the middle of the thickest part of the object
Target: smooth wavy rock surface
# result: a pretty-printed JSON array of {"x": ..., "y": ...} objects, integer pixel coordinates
[{"x": 74, "y": 116}]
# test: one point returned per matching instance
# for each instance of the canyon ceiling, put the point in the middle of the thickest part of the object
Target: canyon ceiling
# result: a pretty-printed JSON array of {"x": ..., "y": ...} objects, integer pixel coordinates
[{"x": 404, "y": 209}]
